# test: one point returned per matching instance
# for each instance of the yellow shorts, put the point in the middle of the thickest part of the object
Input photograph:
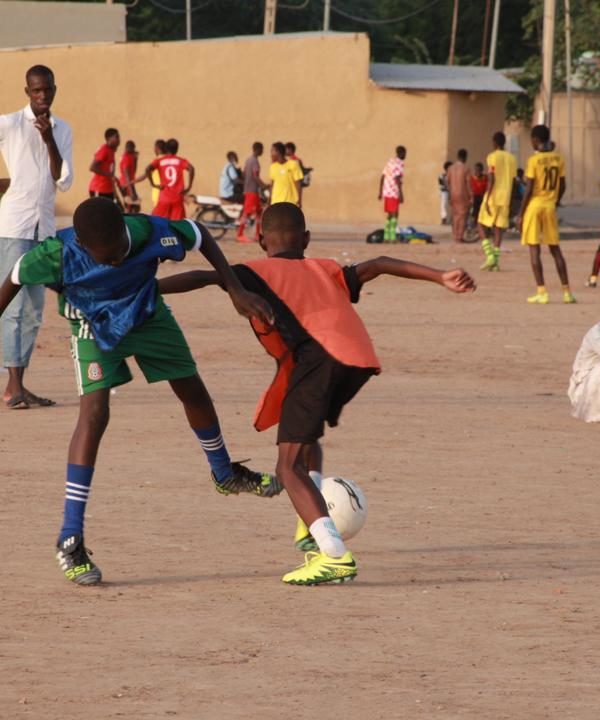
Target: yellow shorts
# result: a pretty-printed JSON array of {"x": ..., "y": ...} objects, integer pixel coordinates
[
  {"x": 540, "y": 226},
  {"x": 497, "y": 217}
]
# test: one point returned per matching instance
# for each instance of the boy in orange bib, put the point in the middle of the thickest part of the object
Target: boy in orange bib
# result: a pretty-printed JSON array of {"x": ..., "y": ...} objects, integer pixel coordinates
[{"x": 324, "y": 356}]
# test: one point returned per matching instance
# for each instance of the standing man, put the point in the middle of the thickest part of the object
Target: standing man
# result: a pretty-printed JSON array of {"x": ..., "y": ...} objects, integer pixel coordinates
[
  {"x": 495, "y": 208},
  {"x": 390, "y": 188},
  {"x": 252, "y": 187},
  {"x": 103, "y": 179},
  {"x": 37, "y": 148},
  {"x": 171, "y": 185},
  {"x": 461, "y": 195},
  {"x": 230, "y": 181},
  {"x": 537, "y": 220},
  {"x": 285, "y": 176}
]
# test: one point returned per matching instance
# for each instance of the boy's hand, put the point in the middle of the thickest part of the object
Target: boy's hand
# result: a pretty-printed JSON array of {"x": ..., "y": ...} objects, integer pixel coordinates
[
  {"x": 250, "y": 305},
  {"x": 458, "y": 280}
]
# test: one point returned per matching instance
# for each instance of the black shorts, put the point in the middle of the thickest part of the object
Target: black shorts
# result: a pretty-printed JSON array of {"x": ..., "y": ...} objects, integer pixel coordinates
[{"x": 319, "y": 388}]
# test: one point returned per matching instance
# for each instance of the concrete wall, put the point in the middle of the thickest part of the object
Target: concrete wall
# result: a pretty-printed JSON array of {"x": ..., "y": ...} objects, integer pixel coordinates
[
  {"x": 472, "y": 120},
  {"x": 220, "y": 95},
  {"x": 25, "y": 24}
]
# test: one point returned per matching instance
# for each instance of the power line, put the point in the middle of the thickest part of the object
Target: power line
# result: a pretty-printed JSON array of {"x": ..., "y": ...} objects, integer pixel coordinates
[
  {"x": 175, "y": 11},
  {"x": 301, "y": 6},
  {"x": 389, "y": 21}
]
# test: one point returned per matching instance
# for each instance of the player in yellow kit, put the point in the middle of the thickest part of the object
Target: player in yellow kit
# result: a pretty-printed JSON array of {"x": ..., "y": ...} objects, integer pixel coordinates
[
  {"x": 537, "y": 222},
  {"x": 495, "y": 208}
]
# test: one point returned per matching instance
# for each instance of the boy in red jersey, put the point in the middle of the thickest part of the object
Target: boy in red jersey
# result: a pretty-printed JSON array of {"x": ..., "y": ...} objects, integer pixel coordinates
[
  {"x": 172, "y": 187},
  {"x": 324, "y": 356},
  {"x": 103, "y": 180},
  {"x": 127, "y": 178}
]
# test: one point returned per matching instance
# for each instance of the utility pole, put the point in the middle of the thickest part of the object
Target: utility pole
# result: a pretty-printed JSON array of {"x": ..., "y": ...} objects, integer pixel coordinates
[
  {"x": 453, "y": 33},
  {"x": 547, "y": 61},
  {"x": 188, "y": 19},
  {"x": 570, "y": 184},
  {"x": 326, "y": 15},
  {"x": 486, "y": 29},
  {"x": 270, "y": 13},
  {"x": 494, "y": 43}
]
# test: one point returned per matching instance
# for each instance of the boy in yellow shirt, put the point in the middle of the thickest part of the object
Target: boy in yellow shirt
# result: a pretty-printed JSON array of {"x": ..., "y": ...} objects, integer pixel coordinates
[
  {"x": 537, "y": 222},
  {"x": 286, "y": 177},
  {"x": 495, "y": 207}
]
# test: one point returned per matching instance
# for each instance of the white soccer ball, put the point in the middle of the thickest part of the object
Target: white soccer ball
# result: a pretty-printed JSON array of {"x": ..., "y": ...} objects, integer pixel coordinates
[{"x": 346, "y": 503}]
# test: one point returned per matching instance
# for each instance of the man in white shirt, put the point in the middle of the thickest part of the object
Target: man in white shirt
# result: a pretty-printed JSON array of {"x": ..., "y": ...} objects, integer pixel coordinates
[{"x": 37, "y": 149}]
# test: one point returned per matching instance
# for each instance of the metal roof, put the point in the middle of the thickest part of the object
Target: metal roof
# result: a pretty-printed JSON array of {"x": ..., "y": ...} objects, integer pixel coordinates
[{"x": 458, "y": 78}]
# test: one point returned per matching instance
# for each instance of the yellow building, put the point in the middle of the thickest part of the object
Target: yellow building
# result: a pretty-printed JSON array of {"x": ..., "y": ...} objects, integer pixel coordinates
[{"x": 345, "y": 115}]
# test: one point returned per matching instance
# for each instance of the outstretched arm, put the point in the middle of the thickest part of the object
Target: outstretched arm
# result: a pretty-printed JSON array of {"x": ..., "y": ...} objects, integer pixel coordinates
[
  {"x": 246, "y": 303},
  {"x": 457, "y": 280},
  {"x": 184, "y": 282}
]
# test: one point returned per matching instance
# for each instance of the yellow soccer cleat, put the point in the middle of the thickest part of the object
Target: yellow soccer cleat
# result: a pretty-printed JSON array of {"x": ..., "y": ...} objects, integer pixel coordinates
[
  {"x": 539, "y": 299},
  {"x": 320, "y": 568},
  {"x": 568, "y": 298},
  {"x": 303, "y": 540}
]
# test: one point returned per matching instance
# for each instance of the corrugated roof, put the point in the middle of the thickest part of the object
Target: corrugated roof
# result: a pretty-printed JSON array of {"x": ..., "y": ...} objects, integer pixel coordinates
[{"x": 458, "y": 78}]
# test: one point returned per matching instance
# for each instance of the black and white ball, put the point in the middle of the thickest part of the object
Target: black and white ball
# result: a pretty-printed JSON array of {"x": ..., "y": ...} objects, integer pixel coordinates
[{"x": 346, "y": 503}]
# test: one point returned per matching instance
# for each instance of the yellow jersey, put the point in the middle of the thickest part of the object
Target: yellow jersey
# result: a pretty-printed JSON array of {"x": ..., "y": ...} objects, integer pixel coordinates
[
  {"x": 504, "y": 167},
  {"x": 545, "y": 169},
  {"x": 284, "y": 177}
]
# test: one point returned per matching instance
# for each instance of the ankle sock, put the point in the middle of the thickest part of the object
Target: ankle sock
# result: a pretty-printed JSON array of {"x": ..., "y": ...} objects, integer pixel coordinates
[
  {"x": 77, "y": 490},
  {"x": 327, "y": 537},
  {"x": 216, "y": 453}
]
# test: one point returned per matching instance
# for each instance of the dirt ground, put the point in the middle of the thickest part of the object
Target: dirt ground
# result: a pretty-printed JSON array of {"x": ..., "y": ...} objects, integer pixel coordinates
[{"x": 477, "y": 594}]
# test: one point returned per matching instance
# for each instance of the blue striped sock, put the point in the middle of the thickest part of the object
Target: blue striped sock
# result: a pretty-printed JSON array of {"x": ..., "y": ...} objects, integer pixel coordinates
[
  {"x": 77, "y": 490},
  {"x": 216, "y": 453}
]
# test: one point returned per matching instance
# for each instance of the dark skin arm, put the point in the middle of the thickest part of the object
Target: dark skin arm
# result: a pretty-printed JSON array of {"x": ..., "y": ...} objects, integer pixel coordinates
[
  {"x": 4, "y": 185},
  {"x": 456, "y": 280},
  {"x": 42, "y": 123},
  {"x": 8, "y": 290},
  {"x": 185, "y": 282},
  {"x": 95, "y": 168},
  {"x": 191, "y": 173}
]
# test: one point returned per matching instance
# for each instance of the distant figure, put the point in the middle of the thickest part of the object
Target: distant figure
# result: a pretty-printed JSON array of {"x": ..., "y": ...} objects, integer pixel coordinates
[
  {"x": 479, "y": 182},
  {"x": 495, "y": 209},
  {"x": 444, "y": 195},
  {"x": 461, "y": 195},
  {"x": 592, "y": 280},
  {"x": 172, "y": 187},
  {"x": 230, "y": 182},
  {"x": 127, "y": 178},
  {"x": 160, "y": 149},
  {"x": 391, "y": 190},
  {"x": 252, "y": 187},
  {"x": 36, "y": 147},
  {"x": 285, "y": 176},
  {"x": 537, "y": 221},
  {"x": 290, "y": 153},
  {"x": 103, "y": 179}
]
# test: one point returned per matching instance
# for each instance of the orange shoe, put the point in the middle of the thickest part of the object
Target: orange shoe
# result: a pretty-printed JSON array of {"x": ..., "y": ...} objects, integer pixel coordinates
[{"x": 243, "y": 239}]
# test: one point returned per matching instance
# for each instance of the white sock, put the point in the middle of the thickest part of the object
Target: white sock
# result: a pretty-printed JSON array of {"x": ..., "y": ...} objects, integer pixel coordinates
[
  {"x": 316, "y": 477},
  {"x": 327, "y": 537}
]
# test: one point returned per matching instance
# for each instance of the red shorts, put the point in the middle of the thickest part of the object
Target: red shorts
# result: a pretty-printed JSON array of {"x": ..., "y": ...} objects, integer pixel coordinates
[
  {"x": 391, "y": 205},
  {"x": 170, "y": 210},
  {"x": 252, "y": 204}
]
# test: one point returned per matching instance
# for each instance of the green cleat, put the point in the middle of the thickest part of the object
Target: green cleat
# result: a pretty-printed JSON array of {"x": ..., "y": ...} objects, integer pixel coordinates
[
  {"x": 244, "y": 480},
  {"x": 319, "y": 568},
  {"x": 303, "y": 540}
]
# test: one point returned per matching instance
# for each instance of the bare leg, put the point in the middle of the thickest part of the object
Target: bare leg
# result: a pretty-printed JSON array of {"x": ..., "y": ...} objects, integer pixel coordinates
[
  {"x": 198, "y": 406},
  {"x": 497, "y": 236},
  {"x": 536, "y": 264},
  {"x": 303, "y": 493},
  {"x": 93, "y": 419},
  {"x": 561, "y": 265}
]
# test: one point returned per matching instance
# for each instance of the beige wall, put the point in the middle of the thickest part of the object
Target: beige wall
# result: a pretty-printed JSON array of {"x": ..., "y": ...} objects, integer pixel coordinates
[
  {"x": 224, "y": 94},
  {"x": 26, "y": 23}
]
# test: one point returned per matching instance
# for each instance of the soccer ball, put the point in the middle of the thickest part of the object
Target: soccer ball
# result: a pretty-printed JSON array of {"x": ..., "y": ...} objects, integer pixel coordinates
[{"x": 346, "y": 503}]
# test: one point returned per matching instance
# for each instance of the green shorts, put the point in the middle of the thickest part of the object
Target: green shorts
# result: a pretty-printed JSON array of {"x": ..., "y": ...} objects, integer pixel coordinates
[{"x": 158, "y": 346}]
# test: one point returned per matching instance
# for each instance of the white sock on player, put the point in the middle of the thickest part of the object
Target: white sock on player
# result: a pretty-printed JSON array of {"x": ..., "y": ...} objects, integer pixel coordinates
[{"x": 327, "y": 537}]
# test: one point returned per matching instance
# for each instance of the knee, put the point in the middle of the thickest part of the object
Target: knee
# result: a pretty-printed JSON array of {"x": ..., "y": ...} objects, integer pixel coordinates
[{"x": 95, "y": 420}]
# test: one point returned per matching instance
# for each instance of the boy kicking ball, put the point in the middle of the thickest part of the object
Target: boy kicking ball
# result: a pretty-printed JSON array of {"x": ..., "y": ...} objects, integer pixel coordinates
[
  {"x": 104, "y": 271},
  {"x": 324, "y": 356}
]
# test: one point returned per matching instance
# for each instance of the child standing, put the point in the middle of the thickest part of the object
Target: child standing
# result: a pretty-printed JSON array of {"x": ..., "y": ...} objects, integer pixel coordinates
[
  {"x": 104, "y": 269},
  {"x": 537, "y": 220},
  {"x": 444, "y": 192},
  {"x": 324, "y": 356},
  {"x": 390, "y": 189}
]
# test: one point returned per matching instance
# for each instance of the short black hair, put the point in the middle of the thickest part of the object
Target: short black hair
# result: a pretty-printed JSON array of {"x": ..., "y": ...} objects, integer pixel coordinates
[
  {"x": 110, "y": 132},
  {"x": 232, "y": 155},
  {"x": 400, "y": 150},
  {"x": 479, "y": 165},
  {"x": 257, "y": 146},
  {"x": 541, "y": 132},
  {"x": 447, "y": 164},
  {"x": 172, "y": 146},
  {"x": 462, "y": 155},
  {"x": 499, "y": 139},
  {"x": 39, "y": 71},
  {"x": 98, "y": 222},
  {"x": 280, "y": 147},
  {"x": 130, "y": 146},
  {"x": 160, "y": 145},
  {"x": 290, "y": 146},
  {"x": 283, "y": 216}
]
